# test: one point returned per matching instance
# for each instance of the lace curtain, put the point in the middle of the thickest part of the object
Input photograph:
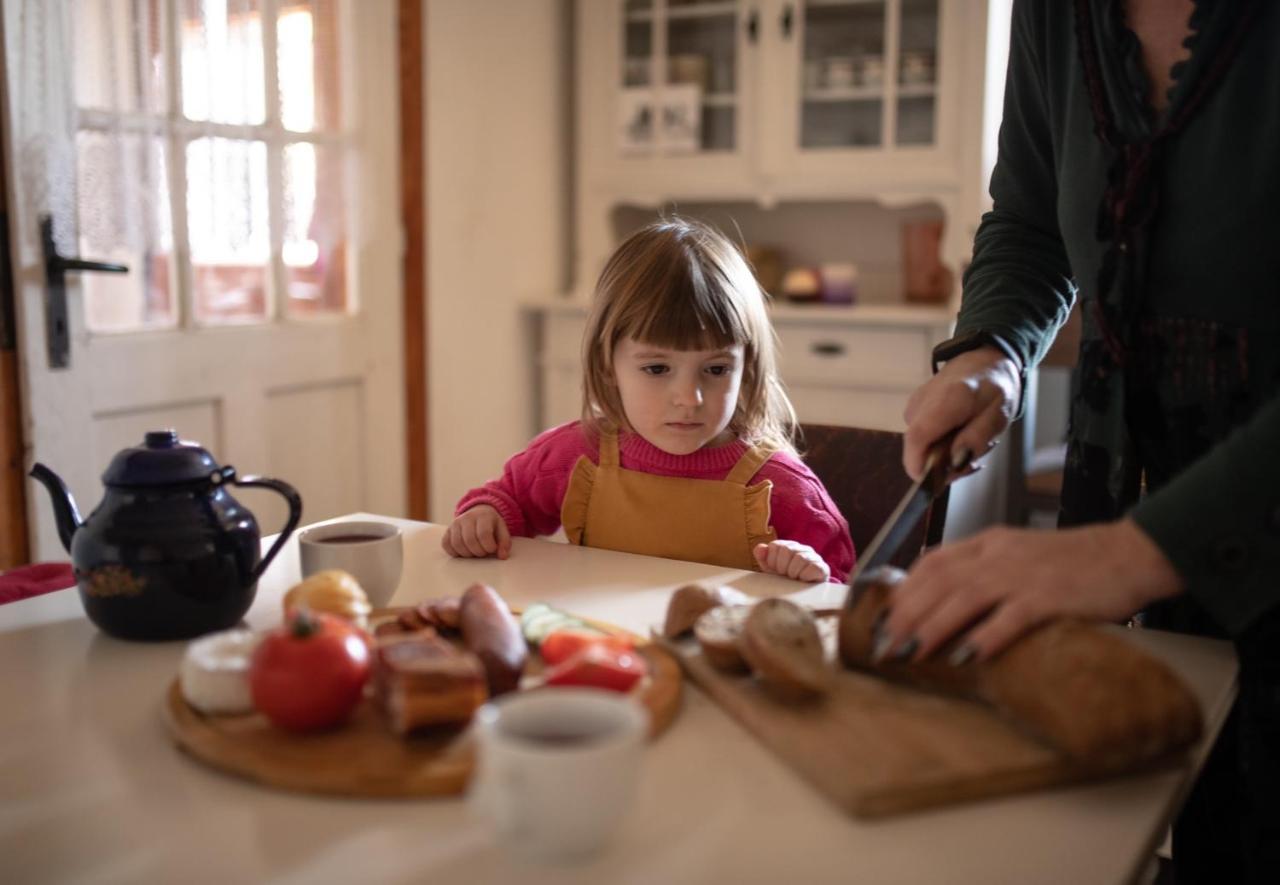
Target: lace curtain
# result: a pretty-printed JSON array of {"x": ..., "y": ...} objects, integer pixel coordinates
[
  {"x": 42, "y": 118},
  {"x": 186, "y": 199}
]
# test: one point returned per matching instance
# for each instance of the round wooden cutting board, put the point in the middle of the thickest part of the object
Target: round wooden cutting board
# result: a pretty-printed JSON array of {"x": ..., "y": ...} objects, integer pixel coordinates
[{"x": 363, "y": 757}]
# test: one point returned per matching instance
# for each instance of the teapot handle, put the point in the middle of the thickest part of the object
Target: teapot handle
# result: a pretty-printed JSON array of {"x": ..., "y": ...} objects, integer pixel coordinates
[{"x": 290, "y": 494}]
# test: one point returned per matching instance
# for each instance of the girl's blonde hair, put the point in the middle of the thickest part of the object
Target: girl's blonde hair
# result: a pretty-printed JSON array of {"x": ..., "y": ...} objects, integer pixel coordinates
[{"x": 681, "y": 284}]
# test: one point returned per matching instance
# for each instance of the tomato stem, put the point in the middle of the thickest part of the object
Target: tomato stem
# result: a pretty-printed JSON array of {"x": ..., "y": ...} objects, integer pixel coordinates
[{"x": 304, "y": 624}]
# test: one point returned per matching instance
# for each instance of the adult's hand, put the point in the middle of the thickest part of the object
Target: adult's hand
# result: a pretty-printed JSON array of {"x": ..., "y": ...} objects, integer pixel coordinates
[
  {"x": 1000, "y": 583},
  {"x": 976, "y": 391}
]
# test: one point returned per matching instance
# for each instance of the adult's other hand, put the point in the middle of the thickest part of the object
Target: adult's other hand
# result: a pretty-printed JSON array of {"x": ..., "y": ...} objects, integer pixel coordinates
[{"x": 1002, "y": 582}]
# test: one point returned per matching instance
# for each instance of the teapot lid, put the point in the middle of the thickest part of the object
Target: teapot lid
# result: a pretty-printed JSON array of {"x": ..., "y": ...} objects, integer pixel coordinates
[{"x": 161, "y": 460}]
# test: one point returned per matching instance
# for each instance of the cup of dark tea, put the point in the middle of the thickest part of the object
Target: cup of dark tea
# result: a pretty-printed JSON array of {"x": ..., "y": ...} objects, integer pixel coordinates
[
  {"x": 372, "y": 552},
  {"x": 557, "y": 768}
]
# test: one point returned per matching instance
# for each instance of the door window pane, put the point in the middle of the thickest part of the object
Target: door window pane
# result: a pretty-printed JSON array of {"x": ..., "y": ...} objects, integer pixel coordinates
[
  {"x": 222, "y": 62},
  {"x": 118, "y": 63},
  {"x": 307, "y": 43},
  {"x": 123, "y": 216},
  {"x": 315, "y": 236},
  {"x": 227, "y": 229}
]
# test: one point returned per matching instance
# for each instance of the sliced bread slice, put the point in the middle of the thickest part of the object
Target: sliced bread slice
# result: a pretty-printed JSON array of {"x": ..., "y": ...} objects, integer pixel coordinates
[
  {"x": 781, "y": 643},
  {"x": 719, "y": 632}
]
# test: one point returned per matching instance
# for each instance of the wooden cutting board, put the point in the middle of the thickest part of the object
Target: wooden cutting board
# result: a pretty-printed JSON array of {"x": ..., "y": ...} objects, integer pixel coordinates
[
  {"x": 364, "y": 758},
  {"x": 877, "y": 748}
]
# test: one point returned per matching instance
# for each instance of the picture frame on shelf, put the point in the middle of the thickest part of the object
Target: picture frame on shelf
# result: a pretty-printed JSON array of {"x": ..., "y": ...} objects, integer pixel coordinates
[{"x": 680, "y": 118}]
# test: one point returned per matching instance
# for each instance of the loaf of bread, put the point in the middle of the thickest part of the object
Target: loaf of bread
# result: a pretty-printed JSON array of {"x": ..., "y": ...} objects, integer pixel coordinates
[
  {"x": 1083, "y": 690},
  {"x": 423, "y": 680}
]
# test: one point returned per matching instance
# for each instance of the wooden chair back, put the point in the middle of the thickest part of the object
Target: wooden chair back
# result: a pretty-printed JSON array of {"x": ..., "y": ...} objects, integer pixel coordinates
[{"x": 862, "y": 470}]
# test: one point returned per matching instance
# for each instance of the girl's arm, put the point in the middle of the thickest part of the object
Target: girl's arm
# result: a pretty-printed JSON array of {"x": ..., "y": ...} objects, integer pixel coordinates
[
  {"x": 531, "y": 488},
  {"x": 802, "y": 511}
]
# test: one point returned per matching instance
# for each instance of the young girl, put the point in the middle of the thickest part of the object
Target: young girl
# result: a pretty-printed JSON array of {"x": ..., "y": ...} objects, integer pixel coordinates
[{"x": 684, "y": 446}]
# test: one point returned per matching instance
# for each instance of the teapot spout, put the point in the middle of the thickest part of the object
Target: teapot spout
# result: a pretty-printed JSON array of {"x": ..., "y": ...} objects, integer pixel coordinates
[{"x": 64, "y": 506}]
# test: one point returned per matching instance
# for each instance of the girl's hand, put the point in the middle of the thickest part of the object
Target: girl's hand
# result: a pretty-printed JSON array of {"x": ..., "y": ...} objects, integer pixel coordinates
[
  {"x": 1002, "y": 582},
  {"x": 791, "y": 559},
  {"x": 479, "y": 531}
]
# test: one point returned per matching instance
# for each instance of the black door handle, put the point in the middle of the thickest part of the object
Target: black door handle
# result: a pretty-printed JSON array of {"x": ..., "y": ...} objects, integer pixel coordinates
[
  {"x": 827, "y": 348},
  {"x": 56, "y": 268}
]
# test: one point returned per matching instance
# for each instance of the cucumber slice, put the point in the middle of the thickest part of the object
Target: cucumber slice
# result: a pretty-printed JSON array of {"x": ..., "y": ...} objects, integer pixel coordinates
[{"x": 541, "y": 620}]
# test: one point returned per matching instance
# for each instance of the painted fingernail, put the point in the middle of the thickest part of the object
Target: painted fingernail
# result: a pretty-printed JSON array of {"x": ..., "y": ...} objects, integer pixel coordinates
[
  {"x": 907, "y": 649},
  {"x": 881, "y": 647},
  {"x": 960, "y": 459},
  {"x": 878, "y": 624},
  {"x": 962, "y": 655}
]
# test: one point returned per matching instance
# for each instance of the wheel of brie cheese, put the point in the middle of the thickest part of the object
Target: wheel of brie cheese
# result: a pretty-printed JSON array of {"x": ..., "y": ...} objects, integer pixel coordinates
[{"x": 215, "y": 672}]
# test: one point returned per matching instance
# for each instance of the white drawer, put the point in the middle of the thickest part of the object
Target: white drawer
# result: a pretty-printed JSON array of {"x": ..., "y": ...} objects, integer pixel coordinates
[
  {"x": 870, "y": 357},
  {"x": 849, "y": 407}
]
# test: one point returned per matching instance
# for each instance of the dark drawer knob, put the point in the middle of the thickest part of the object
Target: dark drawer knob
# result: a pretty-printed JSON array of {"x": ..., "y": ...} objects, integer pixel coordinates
[{"x": 827, "y": 348}]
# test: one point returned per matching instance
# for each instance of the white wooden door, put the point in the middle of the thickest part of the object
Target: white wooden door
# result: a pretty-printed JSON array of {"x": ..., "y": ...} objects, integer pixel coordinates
[{"x": 239, "y": 156}]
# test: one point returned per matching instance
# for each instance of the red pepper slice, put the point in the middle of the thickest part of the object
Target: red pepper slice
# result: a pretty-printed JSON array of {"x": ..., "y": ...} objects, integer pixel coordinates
[
  {"x": 599, "y": 666},
  {"x": 564, "y": 644}
]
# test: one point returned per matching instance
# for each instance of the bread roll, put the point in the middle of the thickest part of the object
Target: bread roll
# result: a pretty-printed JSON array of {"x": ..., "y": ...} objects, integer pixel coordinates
[
  {"x": 332, "y": 591},
  {"x": 690, "y": 602},
  {"x": 1082, "y": 689}
]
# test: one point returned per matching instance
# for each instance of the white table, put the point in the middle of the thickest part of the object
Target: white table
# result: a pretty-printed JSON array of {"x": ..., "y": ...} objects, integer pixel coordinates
[{"x": 92, "y": 789}]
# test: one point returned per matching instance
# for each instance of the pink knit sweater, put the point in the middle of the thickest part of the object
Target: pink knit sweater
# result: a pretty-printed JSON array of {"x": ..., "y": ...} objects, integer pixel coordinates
[{"x": 532, "y": 487}]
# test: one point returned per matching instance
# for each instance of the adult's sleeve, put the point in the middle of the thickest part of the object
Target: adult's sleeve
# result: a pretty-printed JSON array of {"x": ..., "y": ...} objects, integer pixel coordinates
[
  {"x": 1018, "y": 285},
  {"x": 1218, "y": 523}
]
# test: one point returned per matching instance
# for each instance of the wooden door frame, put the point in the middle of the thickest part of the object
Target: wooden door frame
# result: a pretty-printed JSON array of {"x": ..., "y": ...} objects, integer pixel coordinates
[
  {"x": 15, "y": 547},
  {"x": 14, "y": 537},
  {"x": 413, "y": 212}
]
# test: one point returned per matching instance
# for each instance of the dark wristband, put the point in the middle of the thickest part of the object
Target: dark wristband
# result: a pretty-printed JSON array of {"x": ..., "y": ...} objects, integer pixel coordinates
[{"x": 953, "y": 347}]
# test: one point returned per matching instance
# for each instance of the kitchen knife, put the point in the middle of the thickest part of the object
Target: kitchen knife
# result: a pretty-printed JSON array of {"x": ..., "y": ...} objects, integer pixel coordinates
[{"x": 939, "y": 470}]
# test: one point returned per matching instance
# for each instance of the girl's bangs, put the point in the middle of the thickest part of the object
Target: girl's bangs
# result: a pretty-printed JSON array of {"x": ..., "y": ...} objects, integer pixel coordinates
[{"x": 687, "y": 314}]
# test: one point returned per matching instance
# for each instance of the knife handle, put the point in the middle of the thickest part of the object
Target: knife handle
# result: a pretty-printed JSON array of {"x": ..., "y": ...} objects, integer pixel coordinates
[{"x": 940, "y": 467}]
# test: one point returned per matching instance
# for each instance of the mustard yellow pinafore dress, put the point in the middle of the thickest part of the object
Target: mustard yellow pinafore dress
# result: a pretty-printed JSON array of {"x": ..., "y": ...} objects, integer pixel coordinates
[{"x": 699, "y": 520}]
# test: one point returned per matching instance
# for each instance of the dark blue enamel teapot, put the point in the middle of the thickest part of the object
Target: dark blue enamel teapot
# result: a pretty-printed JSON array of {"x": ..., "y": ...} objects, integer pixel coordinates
[{"x": 168, "y": 553}]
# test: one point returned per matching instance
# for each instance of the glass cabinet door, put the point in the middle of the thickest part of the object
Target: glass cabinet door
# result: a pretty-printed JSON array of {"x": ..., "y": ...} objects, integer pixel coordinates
[
  {"x": 680, "y": 79},
  {"x": 867, "y": 77},
  {"x": 917, "y": 80}
]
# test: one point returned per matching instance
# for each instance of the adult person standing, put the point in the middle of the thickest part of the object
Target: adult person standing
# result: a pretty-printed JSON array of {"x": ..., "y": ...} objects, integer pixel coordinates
[{"x": 1139, "y": 167}]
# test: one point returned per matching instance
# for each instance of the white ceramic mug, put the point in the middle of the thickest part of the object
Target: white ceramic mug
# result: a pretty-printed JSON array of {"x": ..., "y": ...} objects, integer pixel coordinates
[
  {"x": 557, "y": 768},
  {"x": 372, "y": 552}
]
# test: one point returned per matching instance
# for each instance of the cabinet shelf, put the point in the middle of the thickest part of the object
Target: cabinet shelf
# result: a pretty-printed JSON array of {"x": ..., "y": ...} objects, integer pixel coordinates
[
  {"x": 868, "y": 93},
  {"x": 698, "y": 10},
  {"x": 917, "y": 90}
]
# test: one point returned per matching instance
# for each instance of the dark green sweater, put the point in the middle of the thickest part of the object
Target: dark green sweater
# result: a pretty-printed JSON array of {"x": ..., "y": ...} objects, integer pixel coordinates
[{"x": 1214, "y": 251}]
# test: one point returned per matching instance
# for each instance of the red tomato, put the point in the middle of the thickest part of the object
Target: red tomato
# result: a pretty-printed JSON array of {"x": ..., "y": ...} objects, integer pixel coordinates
[
  {"x": 564, "y": 644},
  {"x": 309, "y": 674},
  {"x": 599, "y": 666}
]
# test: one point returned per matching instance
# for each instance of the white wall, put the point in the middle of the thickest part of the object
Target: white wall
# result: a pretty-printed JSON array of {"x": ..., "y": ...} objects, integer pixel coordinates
[{"x": 497, "y": 206}]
